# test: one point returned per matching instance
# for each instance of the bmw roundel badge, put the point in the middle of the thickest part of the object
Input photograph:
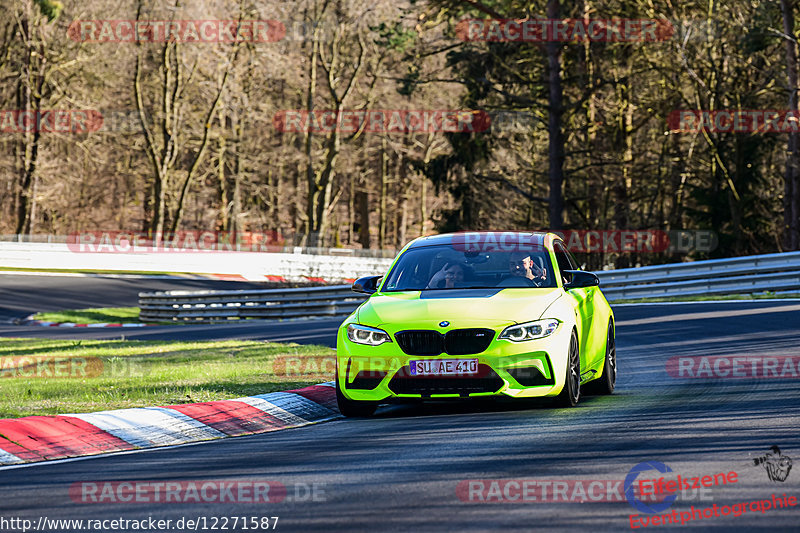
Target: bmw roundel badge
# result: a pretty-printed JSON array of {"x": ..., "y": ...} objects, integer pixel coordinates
[{"x": 444, "y": 324}]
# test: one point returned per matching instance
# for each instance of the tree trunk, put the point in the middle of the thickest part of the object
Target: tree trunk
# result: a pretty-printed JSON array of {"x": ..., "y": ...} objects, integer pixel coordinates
[
  {"x": 556, "y": 139},
  {"x": 791, "y": 198},
  {"x": 351, "y": 215},
  {"x": 320, "y": 196},
  {"x": 623, "y": 182},
  {"x": 29, "y": 100},
  {"x": 423, "y": 200},
  {"x": 423, "y": 204},
  {"x": 224, "y": 193},
  {"x": 299, "y": 222},
  {"x": 362, "y": 199},
  {"x": 313, "y": 195},
  {"x": 159, "y": 156},
  {"x": 384, "y": 162},
  {"x": 402, "y": 212},
  {"x": 236, "y": 207}
]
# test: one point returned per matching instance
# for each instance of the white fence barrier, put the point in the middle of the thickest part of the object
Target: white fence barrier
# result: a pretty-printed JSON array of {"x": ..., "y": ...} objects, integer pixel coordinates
[{"x": 337, "y": 265}]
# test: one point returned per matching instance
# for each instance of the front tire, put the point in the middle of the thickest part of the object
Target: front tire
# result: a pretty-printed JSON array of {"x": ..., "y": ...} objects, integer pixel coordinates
[
  {"x": 571, "y": 393},
  {"x": 353, "y": 408},
  {"x": 608, "y": 380}
]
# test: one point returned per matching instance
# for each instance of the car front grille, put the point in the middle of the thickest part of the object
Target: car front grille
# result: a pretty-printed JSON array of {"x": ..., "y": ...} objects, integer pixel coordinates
[
  {"x": 486, "y": 380},
  {"x": 454, "y": 342},
  {"x": 420, "y": 342},
  {"x": 467, "y": 341}
]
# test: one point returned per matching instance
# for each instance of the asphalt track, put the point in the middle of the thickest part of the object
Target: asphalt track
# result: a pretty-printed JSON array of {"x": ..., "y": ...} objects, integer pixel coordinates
[
  {"x": 400, "y": 470},
  {"x": 23, "y": 295}
]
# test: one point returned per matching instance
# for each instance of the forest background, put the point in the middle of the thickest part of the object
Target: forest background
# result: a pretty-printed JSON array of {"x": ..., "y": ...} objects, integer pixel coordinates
[{"x": 581, "y": 137}]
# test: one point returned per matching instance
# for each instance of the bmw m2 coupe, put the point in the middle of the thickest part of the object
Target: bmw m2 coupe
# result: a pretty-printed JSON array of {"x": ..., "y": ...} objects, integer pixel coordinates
[{"x": 469, "y": 315}]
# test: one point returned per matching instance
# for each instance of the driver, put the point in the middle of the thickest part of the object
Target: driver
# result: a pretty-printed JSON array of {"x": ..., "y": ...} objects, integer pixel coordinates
[{"x": 520, "y": 264}]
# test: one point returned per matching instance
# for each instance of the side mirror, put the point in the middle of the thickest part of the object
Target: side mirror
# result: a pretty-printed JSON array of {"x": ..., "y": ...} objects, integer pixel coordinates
[
  {"x": 366, "y": 285},
  {"x": 581, "y": 279}
]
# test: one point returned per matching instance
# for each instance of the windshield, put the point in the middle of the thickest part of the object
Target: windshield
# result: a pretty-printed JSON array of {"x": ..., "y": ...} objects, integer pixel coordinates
[{"x": 445, "y": 267}]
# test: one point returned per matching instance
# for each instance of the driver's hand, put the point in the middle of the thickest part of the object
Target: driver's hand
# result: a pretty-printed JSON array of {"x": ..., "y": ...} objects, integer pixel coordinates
[{"x": 439, "y": 276}]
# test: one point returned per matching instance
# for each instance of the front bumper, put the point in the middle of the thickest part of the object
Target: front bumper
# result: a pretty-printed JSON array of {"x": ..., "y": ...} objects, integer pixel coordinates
[{"x": 512, "y": 369}]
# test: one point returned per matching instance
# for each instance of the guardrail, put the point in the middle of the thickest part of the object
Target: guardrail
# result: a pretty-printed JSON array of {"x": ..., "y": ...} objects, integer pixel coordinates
[
  {"x": 218, "y": 306},
  {"x": 741, "y": 275}
]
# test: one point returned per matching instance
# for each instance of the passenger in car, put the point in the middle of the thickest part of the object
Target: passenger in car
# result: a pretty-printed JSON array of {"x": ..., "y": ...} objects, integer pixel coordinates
[{"x": 447, "y": 278}]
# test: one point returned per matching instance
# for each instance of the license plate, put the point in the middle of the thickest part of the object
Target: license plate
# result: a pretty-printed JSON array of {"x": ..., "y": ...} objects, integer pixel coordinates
[{"x": 444, "y": 367}]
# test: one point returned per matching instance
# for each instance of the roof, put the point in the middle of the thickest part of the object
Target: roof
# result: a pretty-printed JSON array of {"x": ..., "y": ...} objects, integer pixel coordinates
[{"x": 468, "y": 237}]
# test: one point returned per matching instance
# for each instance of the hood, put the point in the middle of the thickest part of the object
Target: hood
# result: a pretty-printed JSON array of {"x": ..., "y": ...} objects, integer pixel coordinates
[{"x": 461, "y": 307}]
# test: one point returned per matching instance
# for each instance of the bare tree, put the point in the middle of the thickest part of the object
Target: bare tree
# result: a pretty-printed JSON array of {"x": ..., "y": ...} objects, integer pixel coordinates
[{"x": 791, "y": 195}]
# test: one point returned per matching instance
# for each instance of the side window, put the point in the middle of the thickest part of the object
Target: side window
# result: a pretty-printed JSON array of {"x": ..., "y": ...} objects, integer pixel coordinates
[
  {"x": 564, "y": 261},
  {"x": 575, "y": 264},
  {"x": 562, "y": 258}
]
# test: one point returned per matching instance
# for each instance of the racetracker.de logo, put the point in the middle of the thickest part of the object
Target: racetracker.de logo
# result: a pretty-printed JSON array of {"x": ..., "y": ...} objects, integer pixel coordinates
[
  {"x": 737, "y": 367},
  {"x": 50, "y": 121},
  {"x": 734, "y": 121},
  {"x": 180, "y": 31},
  {"x": 47, "y": 367},
  {"x": 180, "y": 241},
  {"x": 624, "y": 241},
  {"x": 295, "y": 366},
  {"x": 591, "y": 241},
  {"x": 556, "y": 490},
  {"x": 197, "y": 491},
  {"x": 542, "y": 30},
  {"x": 497, "y": 241},
  {"x": 382, "y": 121}
]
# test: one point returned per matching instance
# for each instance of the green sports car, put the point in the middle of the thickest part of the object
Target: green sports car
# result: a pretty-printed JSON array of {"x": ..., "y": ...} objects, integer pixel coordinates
[{"x": 477, "y": 314}]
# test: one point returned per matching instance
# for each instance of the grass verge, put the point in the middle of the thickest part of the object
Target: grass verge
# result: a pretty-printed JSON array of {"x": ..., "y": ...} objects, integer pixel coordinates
[
  {"x": 101, "y": 375},
  {"x": 111, "y": 315}
]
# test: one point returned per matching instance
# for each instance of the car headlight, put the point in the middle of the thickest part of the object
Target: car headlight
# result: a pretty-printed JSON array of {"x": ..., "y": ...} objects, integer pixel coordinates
[
  {"x": 367, "y": 335},
  {"x": 529, "y": 331}
]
